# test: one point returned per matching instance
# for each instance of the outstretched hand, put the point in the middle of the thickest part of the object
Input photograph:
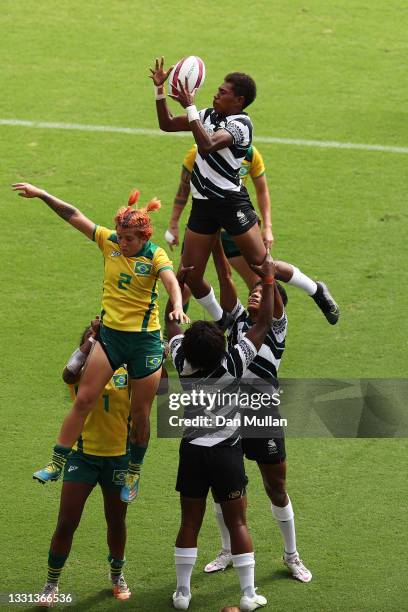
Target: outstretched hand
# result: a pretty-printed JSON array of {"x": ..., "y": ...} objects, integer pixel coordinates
[
  {"x": 158, "y": 74},
  {"x": 184, "y": 96},
  {"x": 267, "y": 268},
  {"x": 179, "y": 316},
  {"x": 26, "y": 190}
]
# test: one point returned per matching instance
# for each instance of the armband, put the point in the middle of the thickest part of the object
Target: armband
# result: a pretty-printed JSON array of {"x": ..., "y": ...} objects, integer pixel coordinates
[
  {"x": 268, "y": 280},
  {"x": 76, "y": 361},
  {"x": 192, "y": 113},
  {"x": 92, "y": 340}
]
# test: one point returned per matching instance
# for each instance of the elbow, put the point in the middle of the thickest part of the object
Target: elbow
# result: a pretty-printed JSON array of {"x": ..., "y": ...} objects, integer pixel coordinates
[
  {"x": 207, "y": 148},
  {"x": 68, "y": 377}
]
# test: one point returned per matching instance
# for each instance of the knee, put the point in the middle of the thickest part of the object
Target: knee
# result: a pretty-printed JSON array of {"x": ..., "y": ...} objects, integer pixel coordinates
[
  {"x": 276, "y": 491},
  {"x": 235, "y": 522},
  {"x": 190, "y": 525},
  {"x": 84, "y": 402}
]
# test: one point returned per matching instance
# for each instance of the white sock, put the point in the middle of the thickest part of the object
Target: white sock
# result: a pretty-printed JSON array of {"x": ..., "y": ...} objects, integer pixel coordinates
[
  {"x": 185, "y": 559},
  {"x": 225, "y": 536},
  {"x": 286, "y": 521},
  {"x": 209, "y": 302},
  {"x": 302, "y": 281},
  {"x": 245, "y": 566}
]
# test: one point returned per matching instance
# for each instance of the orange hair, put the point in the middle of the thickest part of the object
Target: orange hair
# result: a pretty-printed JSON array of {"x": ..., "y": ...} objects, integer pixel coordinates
[{"x": 139, "y": 219}]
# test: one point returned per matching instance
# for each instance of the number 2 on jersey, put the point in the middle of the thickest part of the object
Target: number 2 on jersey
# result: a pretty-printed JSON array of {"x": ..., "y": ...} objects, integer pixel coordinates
[{"x": 124, "y": 281}]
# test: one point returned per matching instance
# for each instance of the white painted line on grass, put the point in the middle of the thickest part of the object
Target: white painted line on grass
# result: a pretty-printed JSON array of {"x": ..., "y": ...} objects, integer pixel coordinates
[{"x": 330, "y": 144}]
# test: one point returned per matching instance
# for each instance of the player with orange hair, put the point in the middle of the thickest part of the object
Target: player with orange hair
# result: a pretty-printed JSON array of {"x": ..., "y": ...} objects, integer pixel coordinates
[{"x": 129, "y": 331}]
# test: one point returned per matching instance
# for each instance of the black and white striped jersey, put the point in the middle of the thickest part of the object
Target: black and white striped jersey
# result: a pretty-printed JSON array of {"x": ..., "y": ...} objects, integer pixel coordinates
[
  {"x": 216, "y": 174},
  {"x": 264, "y": 367},
  {"x": 223, "y": 382}
]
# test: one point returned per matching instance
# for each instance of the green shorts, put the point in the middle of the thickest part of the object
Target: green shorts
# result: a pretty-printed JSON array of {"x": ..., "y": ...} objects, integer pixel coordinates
[
  {"x": 141, "y": 351},
  {"x": 92, "y": 469},
  {"x": 229, "y": 246}
]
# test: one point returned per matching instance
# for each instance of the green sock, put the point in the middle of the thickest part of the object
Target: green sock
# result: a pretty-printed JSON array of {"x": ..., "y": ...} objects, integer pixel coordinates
[
  {"x": 116, "y": 566},
  {"x": 186, "y": 306},
  {"x": 60, "y": 454},
  {"x": 55, "y": 565},
  {"x": 137, "y": 454}
]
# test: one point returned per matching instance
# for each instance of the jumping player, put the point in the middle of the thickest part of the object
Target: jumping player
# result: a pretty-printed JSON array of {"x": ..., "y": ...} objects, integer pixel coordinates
[
  {"x": 223, "y": 135},
  {"x": 130, "y": 328},
  {"x": 253, "y": 166}
]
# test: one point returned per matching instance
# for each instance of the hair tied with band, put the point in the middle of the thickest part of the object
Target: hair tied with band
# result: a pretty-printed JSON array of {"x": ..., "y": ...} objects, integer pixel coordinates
[{"x": 137, "y": 218}]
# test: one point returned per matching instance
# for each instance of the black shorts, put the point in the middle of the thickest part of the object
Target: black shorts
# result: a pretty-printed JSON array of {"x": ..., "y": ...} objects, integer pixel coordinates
[
  {"x": 218, "y": 467},
  {"x": 264, "y": 450},
  {"x": 235, "y": 214}
]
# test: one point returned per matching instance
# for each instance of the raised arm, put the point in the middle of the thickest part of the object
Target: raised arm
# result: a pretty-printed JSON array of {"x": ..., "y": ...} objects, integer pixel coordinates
[
  {"x": 264, "y": 204},
  {"x": 228, "y": 291},
  {"x": 263, "y": 323},
  {"x": 64, "y": 210},
  {"x": 167, "y": 122},
  {"x": 206, "y": 142}
]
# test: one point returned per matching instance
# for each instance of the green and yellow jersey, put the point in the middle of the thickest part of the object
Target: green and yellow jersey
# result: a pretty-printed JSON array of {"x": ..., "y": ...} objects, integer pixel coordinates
[
  {"x": 130, "y": 284},
  {"x": 253, "y": 164},
  {"x": 106, "y": 428}
]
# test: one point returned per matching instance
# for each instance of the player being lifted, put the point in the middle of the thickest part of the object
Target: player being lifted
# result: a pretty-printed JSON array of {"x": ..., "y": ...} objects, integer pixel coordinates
[
  {"x": 129, "y": 331},
  {"x": 223, "y": 135},
  {"x": 253, "y": 165}
]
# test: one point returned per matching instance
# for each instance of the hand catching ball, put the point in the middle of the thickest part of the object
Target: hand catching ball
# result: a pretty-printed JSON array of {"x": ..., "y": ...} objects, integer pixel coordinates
[{"x": 191, "y": 68}]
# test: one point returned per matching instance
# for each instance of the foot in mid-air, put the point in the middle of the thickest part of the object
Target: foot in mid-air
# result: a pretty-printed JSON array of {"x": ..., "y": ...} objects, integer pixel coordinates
[
  {"x": 51, "y": 471},
  {"x": 120, "y": 588},
  {"x": 130, "y": 489},
  {"x": 297, "y": 568},
  {"x": 247, "y": 604},
  {"x": 326, "y": 303},
  {"x": 181, "y": 601},
  {"x": 220, "y": 563},
  {"x": 48, "y": 596}
]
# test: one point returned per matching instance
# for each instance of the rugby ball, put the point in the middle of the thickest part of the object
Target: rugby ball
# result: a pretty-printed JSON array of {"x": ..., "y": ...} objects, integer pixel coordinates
[{"x": 193, "y": 69}]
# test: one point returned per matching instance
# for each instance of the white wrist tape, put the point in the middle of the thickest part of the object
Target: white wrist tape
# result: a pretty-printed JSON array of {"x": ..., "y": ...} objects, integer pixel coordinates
[
  {"x": 159, "y": 92},
  {"x": 192, "y": 113},
  {"x": 92, "y": 340},
  {"x": 76, "y": 361},
  {"x": 169, "y": 238}
]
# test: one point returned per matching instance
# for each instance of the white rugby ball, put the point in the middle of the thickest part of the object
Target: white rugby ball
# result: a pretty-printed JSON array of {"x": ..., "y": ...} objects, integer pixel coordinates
[{"x": 193, "y": 69}]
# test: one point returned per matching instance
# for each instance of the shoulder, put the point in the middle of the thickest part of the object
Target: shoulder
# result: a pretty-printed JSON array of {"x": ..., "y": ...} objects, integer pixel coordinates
[
  {"x": 102, "y": 233},
  {"x": 280, "y": 326}
]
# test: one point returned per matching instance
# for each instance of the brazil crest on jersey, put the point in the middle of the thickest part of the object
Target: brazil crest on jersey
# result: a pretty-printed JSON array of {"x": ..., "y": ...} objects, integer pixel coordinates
[
  {"x": 130, "y": 284},
  {"x": 106, "y": 428}
]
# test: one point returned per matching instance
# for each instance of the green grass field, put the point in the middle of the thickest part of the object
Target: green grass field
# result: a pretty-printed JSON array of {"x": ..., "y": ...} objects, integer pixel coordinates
[{"x": 326, "y": 72}]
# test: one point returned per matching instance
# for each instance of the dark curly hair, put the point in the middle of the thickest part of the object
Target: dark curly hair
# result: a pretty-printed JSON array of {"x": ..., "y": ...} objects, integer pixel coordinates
[
  {"x": 243, "y": 85},
  {"x": 204, "y": 345}
]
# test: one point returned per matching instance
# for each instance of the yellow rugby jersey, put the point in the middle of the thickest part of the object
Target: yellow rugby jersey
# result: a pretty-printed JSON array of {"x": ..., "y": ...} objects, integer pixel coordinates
[
  {"x": 130, "y": 294},
  {"x": 253, "y": 164},
  {"x": 106, "y": 428}
]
